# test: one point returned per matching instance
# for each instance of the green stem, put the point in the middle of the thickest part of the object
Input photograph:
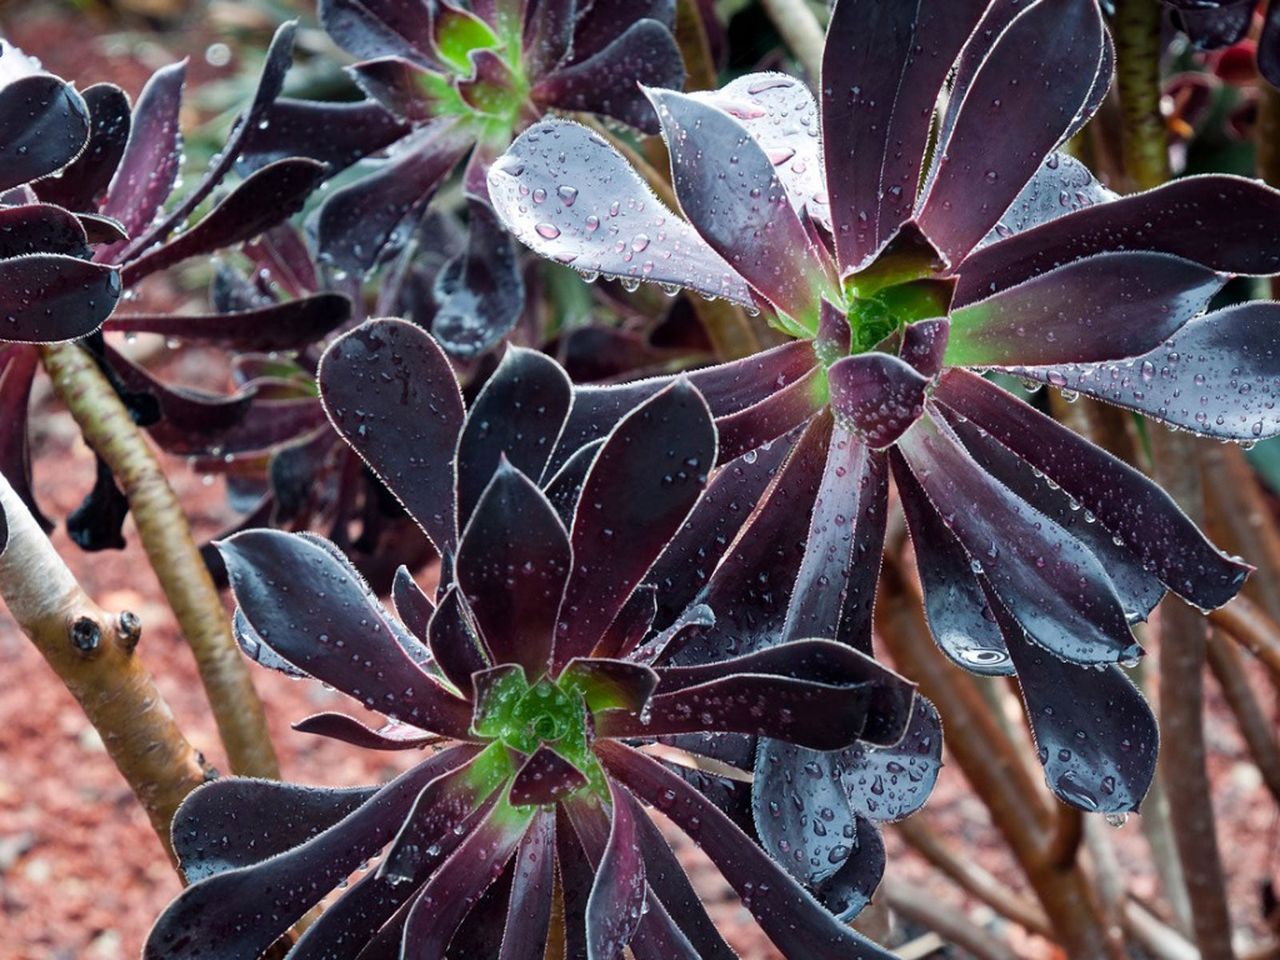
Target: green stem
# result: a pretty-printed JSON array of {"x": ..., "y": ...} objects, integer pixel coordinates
[
  {"x": 166, "y": 537},
  {"x": 1144, "y": 138}
]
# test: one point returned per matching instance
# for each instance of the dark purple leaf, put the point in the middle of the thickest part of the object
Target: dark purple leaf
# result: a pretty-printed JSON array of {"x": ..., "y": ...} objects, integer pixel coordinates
[
  {"x": 606, "y": 683},
  {"x": 846, "y": 892},
  {"x": 316, "y": 614},
  {"x": 577, "y": 874},
  {"x": 1051, "y": 582},
  {"x": 460, "y": 882},
  {"x": 631, "y": 625},
  {"x": 1138, "y": 590},
  {"x": 266, "y": 197},
  {"x": 750, "y": 590},
  {"x": 392, "y": 394},
  {"x": 41, "y": 228},
  {"x": 836, "y": 585},
  {"x": 81, "y": 183},
  {"x": 571, "y": 197},
  {"x": 149, "y": 167},
  {"x": 600, "y": 23},
  {"x": 548, "y": 32},
  {"x": 284, "y": 257},
  {"x": 741, "y": 208},
  {"x": 276, "y": 64},
  {"x": 727, "y": 388},
  {"x": 43, "y": 125},
  {"x": 617, "y": 898},
  {"x": 454, "y": 642},
  {"x": 1125, "y": 502},
  {"x": 876, "y": 397},
  {"x": 954, "y": 605},
  {"x": 1217, "y": 376},
  {"x": 336, "y": 134},
  {"x": 1020, "y": 105},
  {"x": 609, "y": 82},
  {"x": 658, "y": 648},
  {"x": 691, "y": 556},
  {"x": 888, "y": 782},
  {"x": 1228, "y": 224},
  {"x": 237, "y": 822},
  {"x": 779, "y": 112},
  {"x": 669, "y": 883},
  {"x": 790, "y": 917},
  {"x": 771, "y": 418},
  {"x": 1096, "y": 737},
  {"x": 376, "y": 28},
  {"x": 924, "y": 344},
  {"x": 565, "y": 485},
  {"x": 546, "y": 777},
  {"x": 1213, "y": 25},
  {"x": 513, "y": 561},
  {"x": 356, "y": 224},
  {"x": 98, "y": 523},
  {"x": 1105, "y": 307},
  {"x": 339, "y": 726},
  {"x": 399, "y": 85},
  {"x": 882, "y": 69},
  {"x": 227, "y": 908},
  {"x": 283, "y": 326},
  {"x": 479, "y": 293},
  {"x": 412, "y": 605},
  {"x": 100, "y": 230},
  {"x": 1060, "y": 186},
  {"x": 50, "y": 297},
  {"x": 641, "y": 486},
  {"x": 524, "y": 936}
]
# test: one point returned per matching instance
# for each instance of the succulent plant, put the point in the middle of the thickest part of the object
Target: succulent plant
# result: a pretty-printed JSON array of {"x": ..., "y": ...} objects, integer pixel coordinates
[
  {"x": 906, "y": 269},
  {"x": 538, "y": 682},
  {"x": 446, "y": 84},
  {"x": 92, "y": 213},
  {"x": 1213, "y": 24}
]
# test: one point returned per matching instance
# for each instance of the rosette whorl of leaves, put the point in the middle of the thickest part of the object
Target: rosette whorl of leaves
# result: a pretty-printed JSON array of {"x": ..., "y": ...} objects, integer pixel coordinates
[
  {"x": 97, "y": 216},
  {"x": 446, "y": 84},
  {"x": 904, "y": 280},
  {"x": 536, "y": 676},
  {"x": 1213, "y": 24}
]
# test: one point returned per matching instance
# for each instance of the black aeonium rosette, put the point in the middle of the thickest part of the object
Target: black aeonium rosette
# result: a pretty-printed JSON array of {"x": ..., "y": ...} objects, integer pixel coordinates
[
  {"x": 537, "y": 679},
  {"x": 910, "y": 243}
]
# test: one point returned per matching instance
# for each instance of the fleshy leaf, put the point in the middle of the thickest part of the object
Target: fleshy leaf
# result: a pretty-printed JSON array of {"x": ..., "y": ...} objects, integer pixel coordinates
[
  {"x": 609, "y": 684},
  {"x": 1217, "y": 376},
  {"x": 1228, "y": 224},
  {"x": 375, "y": 28},
  {"x": 529, "y": 909},
  {"x": 44, "y": 124},
  {"x": 571, "y": 197},
  {"x": 50, "y": 297},
  {"x": 1125, "y": 502},
  {"x": 1097, "y": 738},
  {"x": 336, "y": 134},
  {"x": 617, "y": 897},
  {"x": 641, "y": 486},
  {"x": 1060, "y": 186},
  {"x": 1106, "y": 307},
  {"x": 740, "y": 208},
  {"x": 341, "y": 636},
  {"x": 412, "y": 605},
  {"x": 81, "y": 183},
  {"x": 226, "y": 908},
  {"x": 455, "y": 645},
  {"x": 512, "y": 564},
  {"x": 608, "y": 82},
  {"x": 1051, "y": 582},
  {"x": 771, "y": 418},
  {"x": 480, "y": 293},
  {"x": 339, "y": 726},
  {"x": 392, "y": 394},
  {"x": 876, "y": 397},
  {"x": 790, "y": 917},
  {"x": 882, "y": 69},
  {"x": 1021, "y": 103},
  {"x": 283, "y": 326},
  {"x": 546, "y": 777},
  {"x": 41, "y": 228}
]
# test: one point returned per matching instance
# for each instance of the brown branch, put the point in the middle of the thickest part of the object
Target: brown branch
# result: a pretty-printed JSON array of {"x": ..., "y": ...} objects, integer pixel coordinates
[
  {"x": 1255, "y": 726},
  {"x": 993, "y": 769},
  {"x": 166, "y": 537},
  {"x": 1064, "y": 843},
  {"x": 1248, "y": 625},
  {"x": 953, "y": 926},
  {"x": 1241, "y": 519},
  {"x": 92, "y": 652},
  {"x": 967, "y": 874}
]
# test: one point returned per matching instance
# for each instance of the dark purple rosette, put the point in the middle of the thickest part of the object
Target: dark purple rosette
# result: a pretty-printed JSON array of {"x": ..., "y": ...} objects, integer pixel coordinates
[
  {"x": 541, "y": 678},
  {"x": 906, "y": 265}
]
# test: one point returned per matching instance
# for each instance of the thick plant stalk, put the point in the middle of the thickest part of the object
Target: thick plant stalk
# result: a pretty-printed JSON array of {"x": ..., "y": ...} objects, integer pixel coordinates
[
  {"x": 1248, "y": 625},
  {"x": 1228, "y": 667},
  {"x": 166, "y": 537},
  {"x": 945, "y": 920},
  {"x": 1184, "y": 633},
  {"x": 995, "y": 773},
  {"x": 92, "y": 652},
  {"x": 800, "y": 31}
]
